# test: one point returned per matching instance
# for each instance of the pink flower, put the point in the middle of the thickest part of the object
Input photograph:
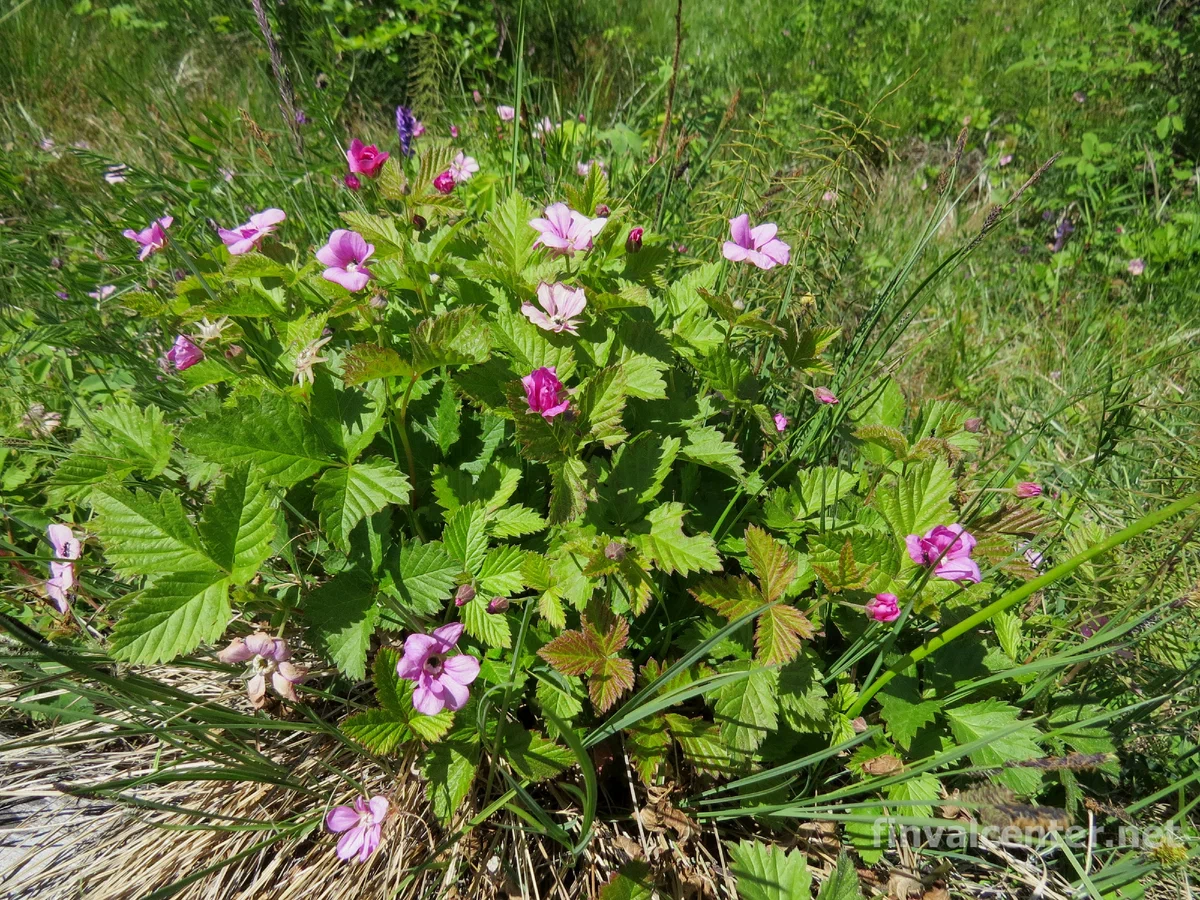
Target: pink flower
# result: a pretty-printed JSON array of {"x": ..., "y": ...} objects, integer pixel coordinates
[
  {"x": 463, "y": 167},
  {"x": 884, "y": 608},
  {"x": 829, "y": 197},
  {"x": 268, "y": 657},
  {"x": 1137, "y": 266},
  {"x": 351, "y": 181},
  {"x": 781, "y": 422},
  {"x": 565, "y": 231},
  {"x": 1031, "y": 555},
  {"x": 441, "y": 679},
  {"x": 184, "y": 354},
  {"x": 345, "y": 257},
  {"x": 947, "y": 548},
  {"x": 757, "y": 245},
  {"x": 115, "y": 174},
  {"x": 444, "y": 183},
  {"x": 102, "y": 292},
  {"x": 418, "y": 128},
  {"x": 544, "y": 127},
  {"x": 825, "y": 395},
  {"x": 247, "y": 237},
  {"x": 152, "y": 238},
  {"x": 545, "y": 393},
  {"x": 362, "y": 825},
  {"x": 633, "y": 243},
  {"x": 476, "y": 96},
  {"x": 1006, "y": 159},
  {"x": 453, "y": 131},
  {"x": 583, "y": 168},
  {"x": 1027, "y": 490},
  {"x": 62, "y": 568},
  {"x": 561, "y": 304},
  {"x": 506, "y": 113},
  {"x": 367, "y": 160}
]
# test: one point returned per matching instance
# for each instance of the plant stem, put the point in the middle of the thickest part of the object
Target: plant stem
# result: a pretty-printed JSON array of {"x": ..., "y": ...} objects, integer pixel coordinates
[
  {"x": 408, "y": 452},
  {"x": 1016, "y": 596}
]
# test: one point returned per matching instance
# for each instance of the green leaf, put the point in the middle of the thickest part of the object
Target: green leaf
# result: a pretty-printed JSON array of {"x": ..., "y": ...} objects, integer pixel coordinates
[
  {"x": 643, "y": 377},
  {"x": 379, "y": 730},
  {"x": 270, "y": 432},
  {"x": 532, "y": 756},
  {"x": 347, "y": 418},
  {"x": 501, "y": 571},
  {"x": 515, "y": 521},
  {"x": 490, "y": 628},
  {"x": 465, "y": 537},
  {"x": 455, "y": 338},
  {"x": 984, "y": 720},
  {"x": 255, "y": 265},
  {"x": 342, "y": 614},
  {"x": 445, "y": 423},
  {"x": 639, "y": 468},
  {"x": 842, "y": 883},
  {"x": 378, "y": 230},
  {"x": 345, "y": 495},
  {"x": 802, "y": 697},
  {"x": 925, "y": 788},
  {"x": 774, "y": 565},
  {"x": 569, "y": 490},
  {"x": 748, "y": 708},
  {"x": 238, "y": 524},
  {"x": 633, "y": 880},
  {"x": 779, "y": 632},
  {"x": 449, "y": 768},
  {"x": 366, "y": 362},
  {"x": 664, "y": 542},
  {"x": 531, "y": 348},
  {"x": 708, "y": 447},
  {"x": 492, "y": 487},
  {"x": 768, "y": 872},
  {"x": 144, "y": 536},
  {"x": 588, "y": 652},
  {"x": 701, "y": 744},
  {"x": 172, "y": 617},
  {"x": 601, "y": 405},
  {"x": 427, "y": 577},
  {"x": 139, "y": 434},
  {"x": 509, "y": 239},
  {"x": 917, "y": 500}
]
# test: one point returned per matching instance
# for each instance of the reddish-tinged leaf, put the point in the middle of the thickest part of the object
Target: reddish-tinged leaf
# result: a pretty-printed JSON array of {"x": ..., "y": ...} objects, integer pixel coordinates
[
  {"x": 730, "y": 597},
  {"x": 572, "y": 653},
  {"x": 612, "y": 679},
  {"x": 779, "y": 632},
  {"x": 614, "y": 641},
  {"x": 773, "y": 563}
]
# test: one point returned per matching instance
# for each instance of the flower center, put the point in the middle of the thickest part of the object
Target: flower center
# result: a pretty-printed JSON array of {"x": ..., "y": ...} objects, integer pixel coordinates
[
  {"x": 260, "y": 665},
  {"x": 433, "y": 665},
  {"x": 351, "y": 267}
]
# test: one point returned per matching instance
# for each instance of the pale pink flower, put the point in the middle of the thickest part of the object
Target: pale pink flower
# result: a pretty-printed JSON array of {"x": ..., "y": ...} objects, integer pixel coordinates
[
  {"x": 1006, "y": 159},
  {"x": 884, "y": 608},
  {"x": 151, "y": 238},
  {"x": 476, "y": 96},
  {"x": 184, "y": 354},
  {"x": 1137, "y": 267},
  {"x": 245, "y": 238},
  {"x": 441, "y": 680},
  {"x": 267, "y": 658},
  {"x": 360, "y": 827},
  {"x": 418, "y": 128},
  {"x": 561, "y": 304},
  {"x": 544, "y": 126},
  {"x": 781, "y": 422},
  {"x": 947, "y": 548},
  {"x": 825, "y": 395},
  {"x": 583, "y": 168},
  {"x": 367, "y": 160},
  {"x": 62, "y": 568},
  {"x": 545, "y": 393},
  {"x": 829, "y": 197},
  {"x": 463, "y": 167},
  {"x": 757, "y": 245},
  {"x": 345, "y": 258},
  {"x": 506, "y": 113},
  {"x": 102, "y": 292},
  {"x": 1027, "y": 490},
  {"x": 565, "y": 231}
]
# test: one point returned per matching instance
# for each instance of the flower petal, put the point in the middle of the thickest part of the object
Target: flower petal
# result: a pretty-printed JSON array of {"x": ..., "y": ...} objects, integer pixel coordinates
[
  {"x": 449, "y": 634},
  {"x": 739, "y": 230},
  {"x": 960, "y": 569},
  {"x": 463, "y": 668},
  {"x": 763, "y": 234},
  {"x": 341, "y": 818},
  {"x": 351, "y": 843},
  {"x": 916, "y": 551},
  {"x": 536, "y": 316},
  {"x": 379, "y": 808},
  {"x": 256, "y": 689},
  {"x": 456, "y": 693},
  {"x": 236, "y": 652},
  {"x": 268, "y": 217},
  {"x": 734, "y": 252},
  {"x": 283, "y": 686},
  {"x": 428, "y": 699}
]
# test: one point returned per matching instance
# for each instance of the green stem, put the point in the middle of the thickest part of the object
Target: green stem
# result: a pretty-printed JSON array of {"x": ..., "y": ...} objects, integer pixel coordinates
[
  {"x": 408, "y": 453},
  {"x": 1012, "y": 598}
]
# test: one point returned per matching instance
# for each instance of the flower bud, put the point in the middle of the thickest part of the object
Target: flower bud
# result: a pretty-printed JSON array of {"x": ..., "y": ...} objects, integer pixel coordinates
[
  {"x": 419, "y": 223},
  {"x": 464, "y": 595},
  {"x": 233, "y": 351},
  {"x": 615, "y": 551},
  {"x": 973, "y": 425},
  {"x": 602, "y": 209},
  {"x": 476, "y": 96},
  {"x": 1027, "y": 490},
  {"x": 859, "y": 725},
  {"x": 497, "y": 605},
  {"x": 56, "y": 263},
  {"x": 825, "y": 395},
  {"x": 351, "y": 181},
  {"x": 633, "y": 243},
  {"x": 378, "y": 301}
]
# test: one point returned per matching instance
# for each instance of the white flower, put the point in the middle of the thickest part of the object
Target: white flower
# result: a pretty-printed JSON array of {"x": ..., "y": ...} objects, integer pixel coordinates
[
  {"x": 307, "y": 358},
  {"x": 463, "y": 168},
  {"x": 211, "y": 331},
  {"x": 115, "y": 174}
]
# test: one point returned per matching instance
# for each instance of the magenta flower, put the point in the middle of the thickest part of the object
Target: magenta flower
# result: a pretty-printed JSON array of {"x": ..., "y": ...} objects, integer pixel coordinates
[
  {"x": 1137, "y": 267},
  {"x": 565, "y": 231},
  {"x": 463, "y": 167},
  {"x": 247, "y": 237},
  {"x": 345, "y": 257},
  {"x": 506, "y": 113},
  {"x": 367, "y": 160},
  {"x": 441, "y": 679},
  {"x": 825, "y": 395},
  {"x": 476, "y": 96},
  {"x": 633, "y": 243},
  {"x": 360, "y": 827},
  {"x": 757, "y": 245},
  {"x": 62, "y": 568},
  {"x": 152, "y": 238},
  {"x": 545, "y": 393},
  {"x": 444, "y": 183},
  {"x": 184, "y": 354},
  {"x": 884, "y": 608},
  {"x": 497, "y": 605},
  {"x": 453, "y": 131},
  {"x": 1027, "y": 490},
  {"x": 947, "y": 548},
  {"x": 781, "y": 422},
  {"x": 561, "y": 304},
  {"x": 418, "y": 128},
  {"x": 268, "y": 657},
  {"x": 351, "y": 181}
]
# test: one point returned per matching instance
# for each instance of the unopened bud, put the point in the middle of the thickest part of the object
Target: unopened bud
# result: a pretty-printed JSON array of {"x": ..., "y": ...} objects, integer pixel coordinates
[
  {"x": 602, "y": 209},
  {"x": 497, "y": 605},
  {"x": 419, "y": 223},
  {"x": 351, "y": 181},
  {"x": 615, "y": 551},
  {"x": 233, "y": 351},
  {"x": 476, "y": 96},
  {"x": 464, "y": 595},
  {"x": 633, "y": 243},
  {"x": 378, "y": 301},
  {"x": 859, "y": 725},
  {"x": 973, "y": 425}
]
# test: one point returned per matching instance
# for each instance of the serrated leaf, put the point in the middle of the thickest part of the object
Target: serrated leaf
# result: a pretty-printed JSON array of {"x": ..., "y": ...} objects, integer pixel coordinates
[
  {"x": 779, "y": 632},
  {"x": 774, "y": 564},
  {"x": 270, "y": 432},
  {"x": 345, "y": 495},
  {"x": 643, "y": 377},
  {"x": 492, "y": 487},
  {"x": 238, "y": 525},
  {"x": 342, "y": 614},
  {"x": 379, "y": 730},
  {"x": 917, "y": 500},
  {"x": 639, "y": 468},
  {"x": 144, "y": 536},
  {"x": 891, "y": 439},
  {"x": 601, "y": 404},
  {"x": 701, "y": 744},
  {"x": 569, "y": 490},
  {"x": 532, "y": 756},
  {"x": 842, "y": 883},
  {"x": 427, "y": 577},
  {"x": 509, "y": 239},
  {"x": 445, "y": 422},
  {"x": 490, "y": 628},
  {"x": 465, "y": 537},
  {"x": 347, "y": 418},
  {"x": 501, "y": 571},
  {"x": 449, "y": 769},
  {"x": 139, "y": 434},
  {"x": 664, "y": 542},
  {"x": 255, "y": 265},
  {"x": 768, "y": 872},
  {"x": 531, "y": 348},
  {"x": 748, "y": 708},
  {"x": 455, "y": 338},
  {"x": 647, "y": 743},
  {"x": 378, "y": 230},
  {"x": 589, "y": 652},
  {"x": 731, "y": 597},
  {"x": 365, "y": 362},
  {"x": 984, "y": 720},
  {"x": 708, "y": 447},
  {"x": 925, "y": 789},
  {"x": 633, "y": 880},
  {"x": 515, "y": 521},
  {"x": 173, "y": 617},
  {"x": 724, "y": 372}
]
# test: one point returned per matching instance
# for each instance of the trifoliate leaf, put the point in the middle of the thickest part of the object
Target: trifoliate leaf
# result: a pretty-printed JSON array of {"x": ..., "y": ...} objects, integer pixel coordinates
[
  {"x": 144, "y": 536},
  {"x": 774, "y": 564},
  {"x": 427, "y": 577},
  {"x": 768, "y": 872},
  {"x": 345, "y": 495},
  {"x": 748, "y": 708},
  {"x": 173, "y": 617},
  {"x": 664, "y": 542}
]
